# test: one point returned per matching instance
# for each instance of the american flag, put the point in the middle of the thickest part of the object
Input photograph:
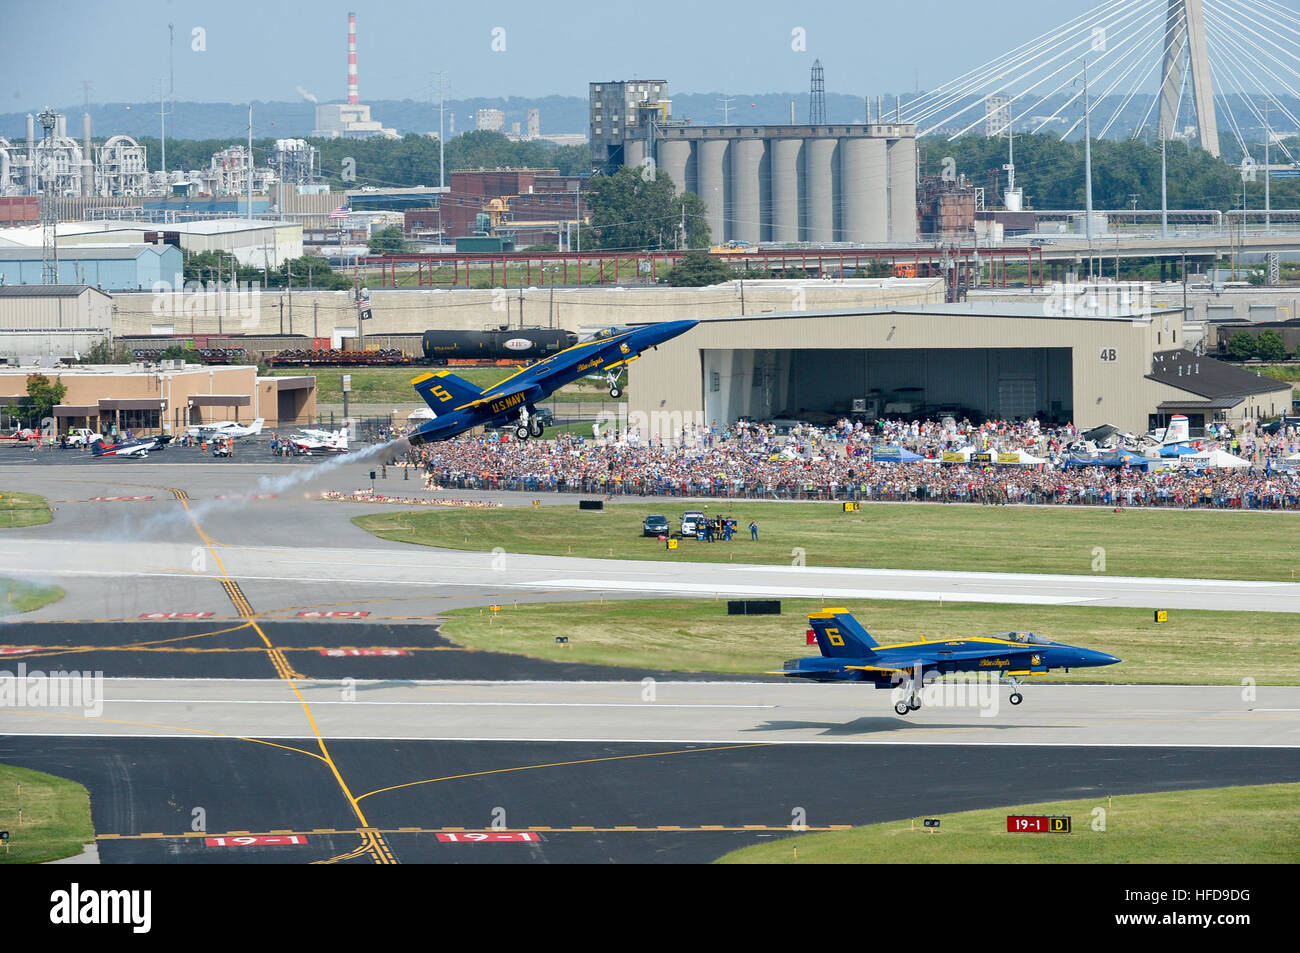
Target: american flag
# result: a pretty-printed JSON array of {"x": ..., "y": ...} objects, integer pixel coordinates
[{"x": 341, "y": 212}]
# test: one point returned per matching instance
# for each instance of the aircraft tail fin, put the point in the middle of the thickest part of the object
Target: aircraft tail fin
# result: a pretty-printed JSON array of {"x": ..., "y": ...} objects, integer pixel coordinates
[
  {"x": 257, "y": 427},
  {"x": 839, "y": 635},
  {"x": 444, "y": 391},
  {"x": 97, "y": 447}
]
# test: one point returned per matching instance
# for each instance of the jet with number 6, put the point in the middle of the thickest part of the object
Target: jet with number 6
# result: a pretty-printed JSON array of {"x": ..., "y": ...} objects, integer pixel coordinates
[
  {"x": 459, "y": 406},
  {"x": 850, "y": 654}
]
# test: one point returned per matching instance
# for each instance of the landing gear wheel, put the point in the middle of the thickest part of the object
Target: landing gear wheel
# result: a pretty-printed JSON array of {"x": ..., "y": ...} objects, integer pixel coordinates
[
  {"x": 521, "y": 432},
  {"x": 901, "y": 708},
  {"x": 915, "y": 704},
  {"x": 1016, "y": 698},
  {"x": 616, "y": 392},
  {"x": 535, "y": 427}
]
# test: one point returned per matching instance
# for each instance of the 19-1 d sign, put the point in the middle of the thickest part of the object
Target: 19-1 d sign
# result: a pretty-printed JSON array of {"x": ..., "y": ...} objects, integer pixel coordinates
[{"x": 1037, "y": 824}]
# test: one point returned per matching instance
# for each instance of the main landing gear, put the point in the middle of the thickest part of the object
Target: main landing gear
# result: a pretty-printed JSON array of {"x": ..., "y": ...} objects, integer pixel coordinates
[
  {"x": 911, "y": 701},
  {"x": 529, "y": 426}
]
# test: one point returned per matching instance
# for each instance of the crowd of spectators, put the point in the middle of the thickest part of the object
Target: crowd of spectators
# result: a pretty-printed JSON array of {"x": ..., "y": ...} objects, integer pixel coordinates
[{"x": 838, "y": 463}]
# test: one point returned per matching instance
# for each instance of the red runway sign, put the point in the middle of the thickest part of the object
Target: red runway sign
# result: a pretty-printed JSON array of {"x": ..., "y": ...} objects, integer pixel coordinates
[
  {"x": 333, "y": 615},
  {"x": 491, "y": 837},
  {"x": 177, "y": 615},
  {"x": 1037, "y": 824},
  {"x": 256, "y": 841},
  {"x": 341, "y": 653}
]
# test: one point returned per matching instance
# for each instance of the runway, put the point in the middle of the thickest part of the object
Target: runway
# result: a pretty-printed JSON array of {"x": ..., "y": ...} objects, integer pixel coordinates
[
  {"x": 368, "y": 738},
  {"x": 664, "y": 711}
]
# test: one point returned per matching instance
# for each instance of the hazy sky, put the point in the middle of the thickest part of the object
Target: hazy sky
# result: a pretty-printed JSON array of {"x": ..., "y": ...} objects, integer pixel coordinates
[{"x": 265, "y": 50}]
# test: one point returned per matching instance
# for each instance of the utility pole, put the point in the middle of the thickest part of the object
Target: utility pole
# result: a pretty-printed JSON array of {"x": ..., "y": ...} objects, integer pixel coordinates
[
  {"x": 250, "y": 160},
  {"x": 681, "y": 236},
  {"x": 726, "y": 108},
  {"x": 442, "y": 181},
  {"x": 1164, "y": 186},
  {"x": 162, "y": 133}
]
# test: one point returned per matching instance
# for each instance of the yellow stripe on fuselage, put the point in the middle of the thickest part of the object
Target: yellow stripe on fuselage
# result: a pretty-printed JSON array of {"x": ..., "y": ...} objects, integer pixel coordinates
[{"x": 599, "y": 342}]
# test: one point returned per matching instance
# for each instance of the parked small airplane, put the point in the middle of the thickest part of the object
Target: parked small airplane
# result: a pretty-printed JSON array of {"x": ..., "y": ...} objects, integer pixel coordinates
[
  {"x": 225, "y": 429},
  {"x": 130, "y": 448},
  {"x": 850, "y": 654},
  {"x": 459, "y": 406},
  {"x": 321, "y": 441}
]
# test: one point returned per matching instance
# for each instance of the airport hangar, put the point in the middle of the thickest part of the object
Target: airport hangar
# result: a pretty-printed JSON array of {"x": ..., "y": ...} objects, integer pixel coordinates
[{"x": 1125, "y": 368}]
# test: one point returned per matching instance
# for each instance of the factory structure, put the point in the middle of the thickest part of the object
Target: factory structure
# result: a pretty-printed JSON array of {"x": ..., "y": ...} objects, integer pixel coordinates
[
  {"x": 812, "y": 182},
  {"x": 350, "y": 120}
]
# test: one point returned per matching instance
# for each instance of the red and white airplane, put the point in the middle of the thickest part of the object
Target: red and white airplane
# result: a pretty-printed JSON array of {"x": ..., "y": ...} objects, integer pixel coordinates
[{"x": 321, "y": 441}]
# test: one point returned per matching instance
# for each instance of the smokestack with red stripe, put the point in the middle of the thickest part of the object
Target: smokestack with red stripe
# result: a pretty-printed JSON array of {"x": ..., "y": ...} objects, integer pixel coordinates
[{"x": 352, "y": 60}]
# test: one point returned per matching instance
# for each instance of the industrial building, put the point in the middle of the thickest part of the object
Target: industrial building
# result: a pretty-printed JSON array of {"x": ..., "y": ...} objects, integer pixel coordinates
[
  {"x": 107, "y": 266},
  {"x": 48, "y": 322},
  {"x": 531, "y": 197},
  {"x": 253, "y": 242},
  {"x": 1002, "y": 361},
  {"x": 778, "y": 183},
  {"x": 168, "y": 397}
]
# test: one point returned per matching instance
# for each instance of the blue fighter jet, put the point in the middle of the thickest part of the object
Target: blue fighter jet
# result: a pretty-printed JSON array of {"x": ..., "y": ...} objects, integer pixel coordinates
[
  {"x": 850, "y": 654},
  {"x": 459, "y": 406}
]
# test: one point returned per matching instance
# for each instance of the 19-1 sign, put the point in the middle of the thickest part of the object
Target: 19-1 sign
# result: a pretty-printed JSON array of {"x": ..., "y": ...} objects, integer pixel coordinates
[{"x": 1037, "y": 824}]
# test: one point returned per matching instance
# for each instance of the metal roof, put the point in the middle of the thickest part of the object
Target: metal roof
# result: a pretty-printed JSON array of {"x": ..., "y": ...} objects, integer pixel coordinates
[
  {"x": 47, "y": 291},
  {"x": 1206, "y": 377}
]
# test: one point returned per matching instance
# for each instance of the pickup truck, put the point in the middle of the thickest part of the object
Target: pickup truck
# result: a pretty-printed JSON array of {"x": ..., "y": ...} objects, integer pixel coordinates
[{"x": 81, "y": 437}]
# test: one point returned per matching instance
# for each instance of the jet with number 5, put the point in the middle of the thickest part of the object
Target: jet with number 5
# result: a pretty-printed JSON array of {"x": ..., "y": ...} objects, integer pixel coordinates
[
  {"x": 850, "y": 654},
  {"x": 459, "y": 406}
]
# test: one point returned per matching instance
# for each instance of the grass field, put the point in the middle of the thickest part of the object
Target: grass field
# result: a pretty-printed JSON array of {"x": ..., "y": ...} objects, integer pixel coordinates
[
  {"x": 55, "y": 820},
  {"x": 18, "y": 596},
  {"x": 22, "y": 509},
  {"x": 392, "y": 385},
  {"x": 697, "y": 635},
  {"x": 1217, "y": 545},
  {"x": 1237, "y": 825}
]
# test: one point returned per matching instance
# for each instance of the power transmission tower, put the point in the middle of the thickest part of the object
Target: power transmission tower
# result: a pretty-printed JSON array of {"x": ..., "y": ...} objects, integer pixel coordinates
[
  {"x": 817, "y": 96},
  {"x": 49, "y": 119}
]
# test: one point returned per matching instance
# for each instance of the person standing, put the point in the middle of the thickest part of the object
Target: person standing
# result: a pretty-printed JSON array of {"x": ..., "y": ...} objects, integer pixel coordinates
[{"x": 753, "y": 530}]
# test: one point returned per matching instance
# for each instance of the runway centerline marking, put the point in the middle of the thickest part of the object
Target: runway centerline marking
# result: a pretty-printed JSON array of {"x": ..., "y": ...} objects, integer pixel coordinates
[{"x": 378, "y": 849}]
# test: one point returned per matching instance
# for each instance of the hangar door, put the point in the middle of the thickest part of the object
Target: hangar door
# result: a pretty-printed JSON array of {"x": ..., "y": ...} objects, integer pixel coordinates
[{"x": 1017, "y": 396}]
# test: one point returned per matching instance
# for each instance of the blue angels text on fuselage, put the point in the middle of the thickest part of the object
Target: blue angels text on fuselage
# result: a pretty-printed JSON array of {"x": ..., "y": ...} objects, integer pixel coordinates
[
  {"x": 459, "y": 406},
  {"x": 850, "y": 654}
]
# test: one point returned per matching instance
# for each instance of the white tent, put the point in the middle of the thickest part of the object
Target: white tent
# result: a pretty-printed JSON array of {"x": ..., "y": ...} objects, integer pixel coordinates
[
  {"x": 424, "y": 413},
  {"x": 1211, "y": 459},
  {"x": 1026, "y": 459}
]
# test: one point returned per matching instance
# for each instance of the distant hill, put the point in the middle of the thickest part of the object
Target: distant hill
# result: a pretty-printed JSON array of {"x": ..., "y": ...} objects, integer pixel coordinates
[{"x": 559, "y": 114}]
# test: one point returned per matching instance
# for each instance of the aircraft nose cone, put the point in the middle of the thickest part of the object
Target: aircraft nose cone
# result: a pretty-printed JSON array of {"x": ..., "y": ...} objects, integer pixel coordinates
[{"x": 1098, "y": 658}]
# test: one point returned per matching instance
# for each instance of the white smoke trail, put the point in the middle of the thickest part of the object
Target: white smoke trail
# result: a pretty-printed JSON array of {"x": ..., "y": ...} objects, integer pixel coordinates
[{"x": 170, "y": 522}]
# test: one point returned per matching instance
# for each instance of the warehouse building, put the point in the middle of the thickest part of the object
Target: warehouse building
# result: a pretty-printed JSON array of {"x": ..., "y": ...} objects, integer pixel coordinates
[
  {"x": 1002, "y": 361},
  {"x": 168, "y": 397},
  {"x": 49, "y": 322},
  {"x": 107, "y": 266}
]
